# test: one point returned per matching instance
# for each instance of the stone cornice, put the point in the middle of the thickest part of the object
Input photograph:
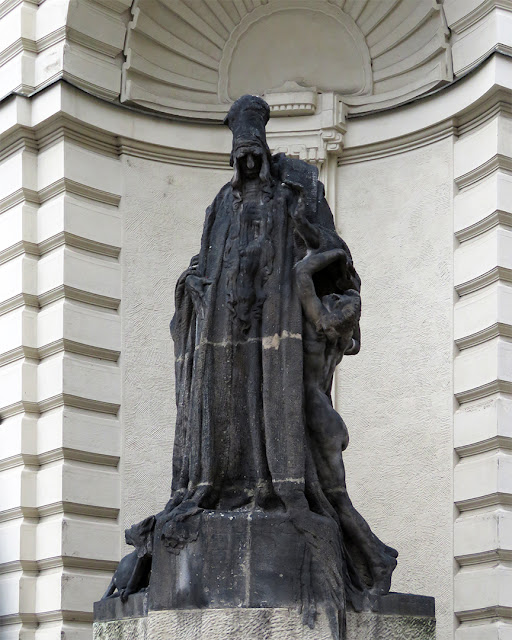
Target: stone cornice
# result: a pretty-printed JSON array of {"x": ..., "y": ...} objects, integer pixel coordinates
[
  {"x": 57, "y": 455},
  {"x": 497, "y": 499},
  {"x": 494, "y": 331},
  {"x": 59, "y": 400},
  {"x": 58, "y": 346},
  {"x": 493, "y": 275},
  {"x": 478, "y": 13},
  {"x": 58, "y": 293},
  {"x": 483, "y": 446},
  {"x": 64, "y": 124},
  {"x": 184, "y": 157},
  {"x": 483, "y": 391},
  {"x": 497, "y": 162},
  {"x": 401, "y": 144},
  {"x": 491, "y": 221}
]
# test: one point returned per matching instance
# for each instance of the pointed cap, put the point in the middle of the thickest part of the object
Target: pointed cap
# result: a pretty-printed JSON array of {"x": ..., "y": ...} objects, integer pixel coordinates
[{"x": 247, "y": 119}]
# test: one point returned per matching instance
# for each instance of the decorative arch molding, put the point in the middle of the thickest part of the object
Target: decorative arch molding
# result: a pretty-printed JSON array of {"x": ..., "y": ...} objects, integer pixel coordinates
[
  {"x": 345, "y": 27},
  {"x": 181, "y": 54}
]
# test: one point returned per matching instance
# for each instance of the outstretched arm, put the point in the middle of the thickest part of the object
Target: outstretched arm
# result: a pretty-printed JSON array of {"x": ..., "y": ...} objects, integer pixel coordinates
[{"x": 312, "y": 306}]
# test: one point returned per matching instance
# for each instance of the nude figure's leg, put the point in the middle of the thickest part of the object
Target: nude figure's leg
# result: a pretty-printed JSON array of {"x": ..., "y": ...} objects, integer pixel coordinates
[
  {"x": 328, "y": 430},
  {"x": 329, "y": 433}
]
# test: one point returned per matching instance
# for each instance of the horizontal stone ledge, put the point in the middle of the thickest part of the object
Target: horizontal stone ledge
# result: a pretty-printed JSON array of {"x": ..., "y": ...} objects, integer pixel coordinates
[
  {"x": 29, "y": 619},
  {"x": 80, "y": 295},
  {"x": 481, "y": 502},
  {"x": 493, "y": 275},
  {"x": 56, "y": 508},
  {"x": 258, "y": 624},
  {"x": 20, "y": 248},
  {"x": 493, "y": 220},
  {"x": 62, "y": 185},
  {"x": 63, "y": 345},
  {"x": 483, "y": 391},
  {"x": 58, "y": 562},
  {"x": 77, "y": 455},
  {"x": 63, "y": 615},
  {"x": 109, "y": 513},
  {"x": 484, "y": 557},
  {"x": 23, "y": 194},
  {"x": 499, "y": 329},
  {"x": 398, "y": 145},
  {"x": 60, "y": 453},
  {"x": 392, "y": 604},
  {"x": 58, "y": 293},
  {"x": 60, "y": 400},
  {"x": 16, "y": 513},
  {"x": 74, "y": 562},
  {"x": 495, "y": 443},
  {"x": 485, "y": 613},
  {"x": 487, "y": 168},
  {"x": 18, "y": 566},
  {"x": 78, "y": 242},
  {"x": 20, "y": 300},
  {"x": 64, "y": 238},
  {"x": 99, "y": 141},
  {"x": 170, "y": 155}
]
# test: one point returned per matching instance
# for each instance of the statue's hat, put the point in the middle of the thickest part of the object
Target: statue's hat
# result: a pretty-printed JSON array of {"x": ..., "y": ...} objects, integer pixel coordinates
[{"x": 247, "y": 118}]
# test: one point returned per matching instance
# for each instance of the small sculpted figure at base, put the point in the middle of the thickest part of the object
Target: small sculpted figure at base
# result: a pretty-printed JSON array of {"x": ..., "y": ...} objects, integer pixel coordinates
[{"x": 264, "y": 314}]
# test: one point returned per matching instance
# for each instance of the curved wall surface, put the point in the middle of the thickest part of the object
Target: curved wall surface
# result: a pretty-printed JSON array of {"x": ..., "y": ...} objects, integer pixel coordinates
[{"x": 108, "y": 161}]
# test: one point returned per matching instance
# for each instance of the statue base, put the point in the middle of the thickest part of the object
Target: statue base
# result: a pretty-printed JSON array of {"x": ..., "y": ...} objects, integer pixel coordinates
[
  {"x": 395, "y": 616},
  {"x": 239, "y": 576},
  {"x": 232, "y": 559}
]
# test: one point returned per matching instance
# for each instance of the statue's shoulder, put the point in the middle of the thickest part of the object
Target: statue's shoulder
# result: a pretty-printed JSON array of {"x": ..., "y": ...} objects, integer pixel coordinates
[
  {"x": 300, "y": 172},
  {"x": 221, "y": 200},
  {"x": 225, "y": 192},
  {"x": 294, "y": 170}
]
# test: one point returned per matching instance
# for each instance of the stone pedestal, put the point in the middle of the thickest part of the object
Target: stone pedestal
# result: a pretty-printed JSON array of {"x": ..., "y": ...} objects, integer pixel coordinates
[
  {"x": 239, "y": 576},
  {"x": 233, "y": 559},
  {"x": 396, "y": 616}
]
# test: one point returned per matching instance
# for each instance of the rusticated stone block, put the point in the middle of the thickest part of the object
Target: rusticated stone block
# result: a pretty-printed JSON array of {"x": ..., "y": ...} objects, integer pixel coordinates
[{"x": 261, "y": 624}]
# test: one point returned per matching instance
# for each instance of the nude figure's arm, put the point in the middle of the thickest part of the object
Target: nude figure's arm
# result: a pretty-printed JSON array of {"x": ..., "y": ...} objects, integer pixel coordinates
[
  {"x": 308, "y": 232},
  {"x": 312, "y": 306}
]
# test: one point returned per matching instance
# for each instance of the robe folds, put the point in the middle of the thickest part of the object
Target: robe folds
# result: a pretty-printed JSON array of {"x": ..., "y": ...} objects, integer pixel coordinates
[
  {"x": 242, "y": 440},
  {"x": 240, "y": 432}
]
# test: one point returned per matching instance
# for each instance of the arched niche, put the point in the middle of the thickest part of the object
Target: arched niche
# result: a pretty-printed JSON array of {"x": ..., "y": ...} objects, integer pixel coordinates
[{"x": 316, "y": 45}]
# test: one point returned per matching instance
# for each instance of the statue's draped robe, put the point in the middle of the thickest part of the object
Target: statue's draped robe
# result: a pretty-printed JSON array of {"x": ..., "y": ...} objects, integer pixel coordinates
[{"x": 241, "y": 434}]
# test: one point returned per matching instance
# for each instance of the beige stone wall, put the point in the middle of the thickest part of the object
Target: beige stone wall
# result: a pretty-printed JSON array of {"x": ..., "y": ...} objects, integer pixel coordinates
[
  {"x": 163, "y": 211},
  {"x": 396, "y": 395}
]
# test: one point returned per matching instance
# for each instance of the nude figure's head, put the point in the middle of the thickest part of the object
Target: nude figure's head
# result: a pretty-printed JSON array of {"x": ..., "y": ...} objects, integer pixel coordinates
[{"x": 344, "y": 313}]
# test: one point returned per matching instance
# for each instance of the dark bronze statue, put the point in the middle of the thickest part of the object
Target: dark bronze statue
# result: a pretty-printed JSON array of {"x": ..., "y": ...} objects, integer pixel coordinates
[{"x": 264, "y": 313}]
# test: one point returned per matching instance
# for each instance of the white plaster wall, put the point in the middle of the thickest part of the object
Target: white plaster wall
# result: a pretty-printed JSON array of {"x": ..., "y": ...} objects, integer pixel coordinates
[
  {"x": 163, "y": 210},
  {"x": 396, "y": 395}
]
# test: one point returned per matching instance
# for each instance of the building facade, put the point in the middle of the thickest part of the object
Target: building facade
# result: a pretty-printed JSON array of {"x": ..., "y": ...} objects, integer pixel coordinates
[{"x": 112, "y": 146}]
